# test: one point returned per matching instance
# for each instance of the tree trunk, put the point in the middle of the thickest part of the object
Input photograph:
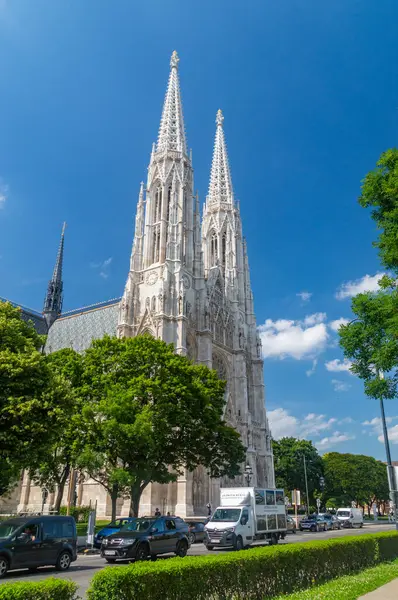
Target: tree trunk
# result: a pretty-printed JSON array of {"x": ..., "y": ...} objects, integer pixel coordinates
[
  {"x": 114, "y": 496},
  {"x": 135, "y": 497},
  {"x": 61, "y": 487}
]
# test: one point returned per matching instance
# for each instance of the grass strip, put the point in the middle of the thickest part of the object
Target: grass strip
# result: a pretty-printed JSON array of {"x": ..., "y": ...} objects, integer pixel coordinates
[{"x": 350, "y": 587}]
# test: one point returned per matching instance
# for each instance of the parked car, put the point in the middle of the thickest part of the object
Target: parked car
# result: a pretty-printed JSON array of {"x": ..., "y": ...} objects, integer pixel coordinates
[
  {"x": 313, "y": 523},
  {"x": 291, "y": 525},
  {"x": 328, "y": 520},
  {"x": 109, "y": 529},
  {"x": 31, "y": 542},
  {"x": 147, "y": 537},
  {"x": 196, "y": 532}
]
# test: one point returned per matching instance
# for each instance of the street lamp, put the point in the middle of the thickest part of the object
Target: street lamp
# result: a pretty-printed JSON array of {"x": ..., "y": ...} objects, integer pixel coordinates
[{"x": 248, "y": 474}]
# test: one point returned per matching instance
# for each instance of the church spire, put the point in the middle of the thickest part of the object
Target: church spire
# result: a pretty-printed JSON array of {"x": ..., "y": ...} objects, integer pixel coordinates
[
  {"x": 53, "y": 301},
  {"x": 172, "y": 130},
  {"x": 220, "y": 189}
]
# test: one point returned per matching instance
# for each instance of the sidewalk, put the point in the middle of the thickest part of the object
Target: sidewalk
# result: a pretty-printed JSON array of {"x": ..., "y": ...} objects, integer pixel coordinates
[{"x": 386, "y": 592}]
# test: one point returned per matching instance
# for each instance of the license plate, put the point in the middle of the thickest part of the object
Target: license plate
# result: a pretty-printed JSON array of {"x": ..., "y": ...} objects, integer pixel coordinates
[
  {"x": 214, "y": 541},
  {"x": 109, "y": 552}
]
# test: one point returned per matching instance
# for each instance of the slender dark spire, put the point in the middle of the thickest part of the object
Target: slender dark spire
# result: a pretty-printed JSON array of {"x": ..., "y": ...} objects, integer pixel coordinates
[{"x": 53, "y": 301}]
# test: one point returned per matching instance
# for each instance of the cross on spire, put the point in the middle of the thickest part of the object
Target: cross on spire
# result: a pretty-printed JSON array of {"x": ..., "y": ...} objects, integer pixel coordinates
[
  {"x": 172, "y": 130},
  {"x": 220, "y": 189}
]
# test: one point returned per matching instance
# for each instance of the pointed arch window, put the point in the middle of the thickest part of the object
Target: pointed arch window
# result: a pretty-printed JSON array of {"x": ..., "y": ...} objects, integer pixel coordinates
[
  {"x": 224, "y": 249},
  {"x": 157, "y": 214},
  {"x": 213, "y": 249},
  {"x": 156, "y": 243}
]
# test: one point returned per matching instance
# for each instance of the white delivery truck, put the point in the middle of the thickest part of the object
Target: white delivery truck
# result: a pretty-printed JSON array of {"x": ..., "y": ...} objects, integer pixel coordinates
[
  {"x": 350, "y": 517},
  {"x": 246, "y": 514}
]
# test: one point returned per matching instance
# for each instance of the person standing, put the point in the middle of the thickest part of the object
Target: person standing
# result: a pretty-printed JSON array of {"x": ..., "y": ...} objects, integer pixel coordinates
[
  {"x": 158, "y": 513},
  {"x": 208, "y": 506}
]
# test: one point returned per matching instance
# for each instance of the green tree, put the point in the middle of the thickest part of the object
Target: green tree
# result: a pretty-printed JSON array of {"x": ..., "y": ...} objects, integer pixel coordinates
[
  {"x": 371, "y": 340},
  {"x": 355, "y": 478},
  {"x": 54, "y": 469},
  {"x": 31, "y": 397},
  {"x": 289, "y": 465},
  {"x": 152, "y": 414}
]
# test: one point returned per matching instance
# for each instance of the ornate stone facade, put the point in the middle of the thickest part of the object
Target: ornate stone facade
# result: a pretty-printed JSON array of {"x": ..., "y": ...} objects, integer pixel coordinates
[{"x": 189, "y": 284}]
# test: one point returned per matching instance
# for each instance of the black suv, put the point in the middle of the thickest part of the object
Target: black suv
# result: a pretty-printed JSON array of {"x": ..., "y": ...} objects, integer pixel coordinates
[
  {"x": 147, "y": 537},
  {"x": 31, "y": 542}
]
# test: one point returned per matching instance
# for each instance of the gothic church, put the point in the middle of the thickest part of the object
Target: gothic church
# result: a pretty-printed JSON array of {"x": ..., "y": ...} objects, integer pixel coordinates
[{"x": 189, "y": 284}]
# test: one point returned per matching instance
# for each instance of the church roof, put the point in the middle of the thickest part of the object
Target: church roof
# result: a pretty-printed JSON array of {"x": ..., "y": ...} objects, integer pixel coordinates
[
  {"x": 220, "y": 189},
  {"x": 78, "y": 328}
]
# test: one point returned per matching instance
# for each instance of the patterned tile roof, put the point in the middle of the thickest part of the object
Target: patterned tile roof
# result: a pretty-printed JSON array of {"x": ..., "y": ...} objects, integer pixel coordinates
[{"x": 78, "y": 328}]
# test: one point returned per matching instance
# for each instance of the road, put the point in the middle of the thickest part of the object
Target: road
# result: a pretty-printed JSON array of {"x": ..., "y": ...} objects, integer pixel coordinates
[{"x": 86, "y": 566}]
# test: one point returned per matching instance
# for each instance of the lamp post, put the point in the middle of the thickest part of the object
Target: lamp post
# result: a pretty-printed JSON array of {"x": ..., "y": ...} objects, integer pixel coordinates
[
  {"x": 306, "y": 484},
  {"x": 248, "y": 474},
  {"x": 391, "y": 471}
]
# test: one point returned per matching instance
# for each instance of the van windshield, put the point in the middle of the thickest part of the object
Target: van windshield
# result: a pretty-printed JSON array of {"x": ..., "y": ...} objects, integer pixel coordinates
[
  {"x": 343, "y": 513},
  {"x": 7, "y": 529},
  {"x": 226, "y": 514}
]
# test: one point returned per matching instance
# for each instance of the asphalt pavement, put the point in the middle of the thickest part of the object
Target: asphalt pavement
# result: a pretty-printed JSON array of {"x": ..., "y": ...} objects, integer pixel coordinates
[{"x": 85, "y": 567}]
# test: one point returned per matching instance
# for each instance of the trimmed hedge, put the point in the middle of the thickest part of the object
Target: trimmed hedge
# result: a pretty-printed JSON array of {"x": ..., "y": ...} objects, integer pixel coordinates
[
  {"x": 253, "y": 574},
  {"x": 79, "y": 513},
  {"x": 49, "y": 589}
]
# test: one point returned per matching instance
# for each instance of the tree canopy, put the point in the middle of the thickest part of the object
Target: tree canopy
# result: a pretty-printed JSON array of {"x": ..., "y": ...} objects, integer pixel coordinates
[
  {"x": 149, "y": 414},
  {"x": 289, "y": 465},
  {"x": 32, "y": 398},
  {"x": 355, "y": 478},
  {"x": 370, "y": 341}
]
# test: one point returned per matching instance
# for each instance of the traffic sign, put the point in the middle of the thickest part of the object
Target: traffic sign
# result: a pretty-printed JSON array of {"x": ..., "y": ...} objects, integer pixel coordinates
[{"x": 318, "y": 502}]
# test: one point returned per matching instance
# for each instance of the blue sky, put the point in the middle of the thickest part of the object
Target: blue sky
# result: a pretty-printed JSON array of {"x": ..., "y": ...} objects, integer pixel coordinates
[{"x": 309, "y": 91}]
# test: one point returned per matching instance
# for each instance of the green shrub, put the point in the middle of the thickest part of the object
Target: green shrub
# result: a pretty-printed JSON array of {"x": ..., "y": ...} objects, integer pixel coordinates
[
  {"x": 80, "y": 513},
  {"x": 253, "y": 574},
  {"x": 49, "y": 589}
]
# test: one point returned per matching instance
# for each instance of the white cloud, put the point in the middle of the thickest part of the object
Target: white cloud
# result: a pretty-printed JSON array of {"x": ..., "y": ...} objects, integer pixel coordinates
[
  {"x": 311, "y": 371},
  {"x": 4, "y": 189},
  {"x": 340, "y": 386},
  {"x": 392, "y": 435},
  {"x": 346, "y": 420},
  {"x": 102, "y": 267},
  {"x": 337, "y": 366},
  {"x": 335, "y": 325},
  {"x": 296, "y": 339},
  {"x": 335, "y": 438},
  {"x": 283, "y": 424},
  {"x": 374, "y": 427},
  {"x": 305, "y": 296},
  {"x": 368, "y": 283}
]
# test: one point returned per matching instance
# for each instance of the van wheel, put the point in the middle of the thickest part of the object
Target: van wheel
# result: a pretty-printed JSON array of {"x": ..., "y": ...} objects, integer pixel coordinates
[
  {"x": 63, "y": 562},
  {"x": 361, "y": 525},
  {"x": 182, "y": 548},
  {"x": 238, "y": 544},
  {"x": 3, "y": 566}
]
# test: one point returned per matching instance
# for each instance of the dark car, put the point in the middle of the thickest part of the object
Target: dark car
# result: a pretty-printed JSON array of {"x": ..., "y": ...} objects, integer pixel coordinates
[
  {"x": 196, "y": 531},
  {"x": 331, "y": 521},
  {"x": 313, "y": 523},
  {"x": 109, "y": 529},
  {"x": 147, "y": 537},
  {"x": 31, "y": 542}
]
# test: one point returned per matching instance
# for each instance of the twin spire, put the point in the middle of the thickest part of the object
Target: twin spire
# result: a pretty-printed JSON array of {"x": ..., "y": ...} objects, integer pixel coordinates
[
  {"x": 172, "y": 137},
  {"x": 54, "y": 297}
]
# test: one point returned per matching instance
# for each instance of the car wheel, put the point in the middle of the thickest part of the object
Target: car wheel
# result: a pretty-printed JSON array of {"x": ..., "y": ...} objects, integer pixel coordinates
[
  {"x": 273, "y": 539},
  {"x": 110, "y": 560},
  {"x": 142, "y": 552},
  {"x": 324, "y": 528},
  {"x": 182, "y": 548},
  {"x": 3, "y": 566},
  {"x": 210, "y": 547},
  {"x": 238, "y": 544},
  {"x": 294, "y": 531},
  {"x": 154, "y": 557},
  {"x": 314, "y": 528},
  {"x": 63, "y": 562},
  {"x": 192, "y": 538}
]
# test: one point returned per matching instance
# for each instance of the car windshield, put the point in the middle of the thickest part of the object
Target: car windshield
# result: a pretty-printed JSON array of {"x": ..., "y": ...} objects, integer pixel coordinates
[
  {"x": 226, "y": 514},
  {"x": 139, "y": 525},
  {"x": 343, "y": 513},
  {"x": 312, "y": 518},
  {"x": 7, "y": 529}
]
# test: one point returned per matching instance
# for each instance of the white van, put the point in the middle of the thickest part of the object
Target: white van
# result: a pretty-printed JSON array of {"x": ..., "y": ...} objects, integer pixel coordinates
[{"x": 350, "y": 517}]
